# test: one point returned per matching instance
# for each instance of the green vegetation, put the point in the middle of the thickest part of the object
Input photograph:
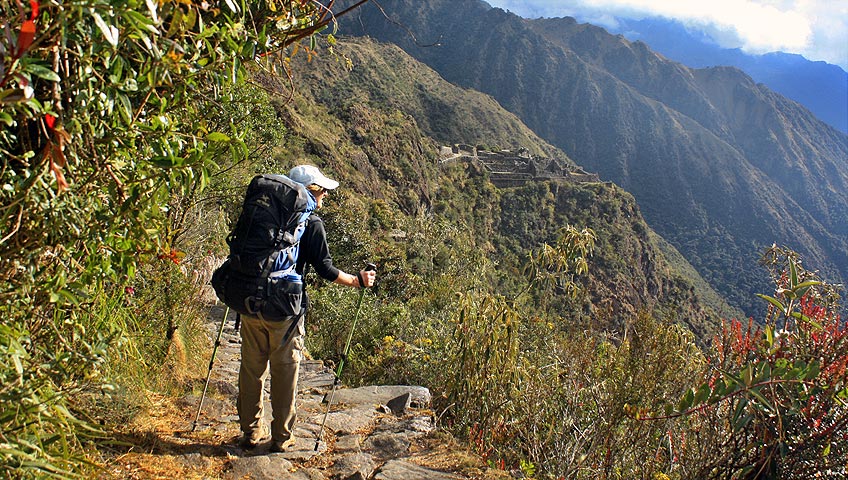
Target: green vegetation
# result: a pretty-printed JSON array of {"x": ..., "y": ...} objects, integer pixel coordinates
[{"x": 110, "y": 135}]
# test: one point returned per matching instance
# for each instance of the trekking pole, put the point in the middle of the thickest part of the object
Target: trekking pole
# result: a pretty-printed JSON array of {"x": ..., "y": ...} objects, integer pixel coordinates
[
  {"x": 209, "y": 373},
  {"x": 368, "y": 267}
]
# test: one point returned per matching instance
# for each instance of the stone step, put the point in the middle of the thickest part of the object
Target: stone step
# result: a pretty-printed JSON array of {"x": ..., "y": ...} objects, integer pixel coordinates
[{"x": 368, "y": 434}]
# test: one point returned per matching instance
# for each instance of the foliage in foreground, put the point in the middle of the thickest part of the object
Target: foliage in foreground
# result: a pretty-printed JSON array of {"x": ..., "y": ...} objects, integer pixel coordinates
[
  {"x": 775, "y": 396},
  {"x": 108, "y": 136},
  {"x": 531, "y": 392}
]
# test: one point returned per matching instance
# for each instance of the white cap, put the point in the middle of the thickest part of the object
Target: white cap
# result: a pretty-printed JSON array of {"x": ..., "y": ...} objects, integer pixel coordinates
[{"x": 308, "y": 174}]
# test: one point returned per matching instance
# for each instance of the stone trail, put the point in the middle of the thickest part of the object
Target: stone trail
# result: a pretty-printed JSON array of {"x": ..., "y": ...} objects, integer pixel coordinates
[{"x": 373, "y": 432}]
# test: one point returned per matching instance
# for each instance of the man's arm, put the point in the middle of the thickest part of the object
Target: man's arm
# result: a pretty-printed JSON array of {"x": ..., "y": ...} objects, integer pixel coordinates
[
  {"x": 368, "y": 277},
  {"x": 314, "y": 245}
]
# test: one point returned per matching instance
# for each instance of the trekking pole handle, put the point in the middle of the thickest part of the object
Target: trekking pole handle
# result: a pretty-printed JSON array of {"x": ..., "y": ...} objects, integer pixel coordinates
[{"x": 369, "y": 267}]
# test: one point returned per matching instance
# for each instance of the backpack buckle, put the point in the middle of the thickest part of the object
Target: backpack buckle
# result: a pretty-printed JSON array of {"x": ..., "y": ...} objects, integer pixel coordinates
[{"x": 253, "y": 305}]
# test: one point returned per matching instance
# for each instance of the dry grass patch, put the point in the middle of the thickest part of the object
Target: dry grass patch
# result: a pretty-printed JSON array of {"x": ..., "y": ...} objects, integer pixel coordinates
[
  {"x": 441, "y": 451},
  {"x": 158, "y": 443}
]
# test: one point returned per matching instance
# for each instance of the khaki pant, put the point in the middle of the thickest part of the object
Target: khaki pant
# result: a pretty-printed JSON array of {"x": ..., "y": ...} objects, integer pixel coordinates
[{"x": 261, "y": 346}]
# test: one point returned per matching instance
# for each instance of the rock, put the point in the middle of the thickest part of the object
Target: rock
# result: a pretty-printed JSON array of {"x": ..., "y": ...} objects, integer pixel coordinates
[
  {"x": 260, "y": 467},
  {"x": 304, "y": 449},
  {"x": 400, "y": 404},
  {"x": 349, "y": 443},
  {"x": 307, "y": 474},
  {"x": 356, "y": 476},
  {"x": 230, "y": 338},
  {"x": 310, "y": 398},
  {"x": 347, "y": 421},
  {"x": 353, "y": 465},
  {"x": 382, "y": 394},
  {"x": 306, "y": 430},
  {"x": 387, "y": 445},
  {"x": 312, "y": 366},
  {"x": 224, "y": 387},
  {"x": 212, "y": 409},
  {"x": 417, "y": 426},
  {"x": 314, "y": 380},
  {"x": 422, "y": 424},
  {"x": 402, "y": 470}
]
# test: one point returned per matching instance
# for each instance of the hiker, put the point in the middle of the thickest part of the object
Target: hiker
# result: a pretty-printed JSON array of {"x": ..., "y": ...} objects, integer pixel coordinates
[{"x": 262, "y": 339}]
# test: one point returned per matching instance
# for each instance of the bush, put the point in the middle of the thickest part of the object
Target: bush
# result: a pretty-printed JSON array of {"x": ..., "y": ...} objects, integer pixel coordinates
[
  {"x": 99, "y": 171},
  {"x": 774, "y": 403}
]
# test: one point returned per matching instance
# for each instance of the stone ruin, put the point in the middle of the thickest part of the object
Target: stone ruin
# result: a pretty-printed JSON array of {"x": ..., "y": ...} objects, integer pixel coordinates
[{"x": 507, "y": 168}]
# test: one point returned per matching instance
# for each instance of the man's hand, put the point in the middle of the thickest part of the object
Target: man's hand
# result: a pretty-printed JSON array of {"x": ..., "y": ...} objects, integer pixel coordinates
[{"x": 366, "y": 278}]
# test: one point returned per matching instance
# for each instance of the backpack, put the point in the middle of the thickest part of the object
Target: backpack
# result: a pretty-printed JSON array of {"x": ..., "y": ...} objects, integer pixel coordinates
[{"x": 259, "y": 278}]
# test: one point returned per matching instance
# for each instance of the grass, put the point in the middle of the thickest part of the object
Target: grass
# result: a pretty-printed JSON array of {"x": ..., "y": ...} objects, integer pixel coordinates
[{"x": 158, "y": 443}]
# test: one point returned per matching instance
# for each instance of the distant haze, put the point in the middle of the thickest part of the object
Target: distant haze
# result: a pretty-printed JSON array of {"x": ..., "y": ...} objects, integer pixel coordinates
[{"x": 816, "y": 29}]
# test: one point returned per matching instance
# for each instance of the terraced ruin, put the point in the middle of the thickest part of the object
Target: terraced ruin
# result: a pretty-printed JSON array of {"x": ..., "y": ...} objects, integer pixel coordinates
[{"x": 512, "y": 169}]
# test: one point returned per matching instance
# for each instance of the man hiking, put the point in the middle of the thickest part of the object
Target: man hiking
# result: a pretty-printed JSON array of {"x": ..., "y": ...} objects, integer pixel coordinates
[{"x": 265, "y": 347}]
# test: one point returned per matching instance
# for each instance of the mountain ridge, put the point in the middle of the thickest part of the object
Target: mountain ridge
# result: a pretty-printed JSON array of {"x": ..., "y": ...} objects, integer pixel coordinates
[
  {"x": 503, "y": 223},
  {"x": 819, "y": 86},
  {"x": 655, "y": 127}
]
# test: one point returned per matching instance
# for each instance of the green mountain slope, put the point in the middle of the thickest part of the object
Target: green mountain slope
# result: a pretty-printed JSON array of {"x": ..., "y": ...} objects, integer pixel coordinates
[
  {"x": 721, "y": 167},
  {"x": 371, "y": 129},
  {"x": 386, "y": 77}
]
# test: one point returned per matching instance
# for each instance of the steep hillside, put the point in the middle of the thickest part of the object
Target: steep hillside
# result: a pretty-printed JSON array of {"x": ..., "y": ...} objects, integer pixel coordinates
[
  {"x": 819, "y": 86},
  {"x": 720, "y": 166},
  {"x": 385, "y": 76},
  {"x": 368, "y": 128}
]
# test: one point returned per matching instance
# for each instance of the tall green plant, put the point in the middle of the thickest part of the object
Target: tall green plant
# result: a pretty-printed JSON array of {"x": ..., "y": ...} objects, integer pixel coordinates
[
  {"x": 578, "y": 415},
  {"x": 554, "y": 267},
  {"x": 485, "y": 357},
  {"x": 489, "y": 348},
  {"x": 775, "y": 398},
  {"x": 41, "y": 434},
  {"x": 105, "y": 133}
]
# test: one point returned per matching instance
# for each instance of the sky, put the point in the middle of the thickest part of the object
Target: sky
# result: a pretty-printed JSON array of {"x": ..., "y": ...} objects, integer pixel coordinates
[{"x": 816, "y": 29}]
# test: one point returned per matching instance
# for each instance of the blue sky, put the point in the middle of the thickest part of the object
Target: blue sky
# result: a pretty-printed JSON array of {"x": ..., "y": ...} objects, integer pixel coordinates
[{"x": 817, "y": 29}]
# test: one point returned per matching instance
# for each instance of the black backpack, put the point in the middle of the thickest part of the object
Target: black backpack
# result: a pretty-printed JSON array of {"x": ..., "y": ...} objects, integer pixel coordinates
[{"x": 259, "y": 278}]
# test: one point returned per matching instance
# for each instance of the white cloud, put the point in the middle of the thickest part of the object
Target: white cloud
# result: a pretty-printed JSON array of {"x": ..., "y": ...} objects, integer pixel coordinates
[{"x": 817, "y": 29}]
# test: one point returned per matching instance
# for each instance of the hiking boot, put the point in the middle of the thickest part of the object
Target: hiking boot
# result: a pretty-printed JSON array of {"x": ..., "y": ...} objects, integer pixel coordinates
[
  {"x": 250, "y": 441},
  {"x": 278, "y": 447}
]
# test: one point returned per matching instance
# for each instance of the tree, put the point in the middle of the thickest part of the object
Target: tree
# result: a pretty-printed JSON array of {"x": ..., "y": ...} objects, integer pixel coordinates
[{"x": 103, "y": 111}]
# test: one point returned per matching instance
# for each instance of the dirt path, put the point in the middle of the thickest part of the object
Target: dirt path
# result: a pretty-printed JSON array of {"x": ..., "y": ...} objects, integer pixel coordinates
[{"x": 374, "y": 432}]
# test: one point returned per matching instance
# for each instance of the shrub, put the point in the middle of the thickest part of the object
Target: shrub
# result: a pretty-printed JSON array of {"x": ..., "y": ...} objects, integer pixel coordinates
[
  {"x": 98, "y": 169},
  {"x": 774, "y": 401}
]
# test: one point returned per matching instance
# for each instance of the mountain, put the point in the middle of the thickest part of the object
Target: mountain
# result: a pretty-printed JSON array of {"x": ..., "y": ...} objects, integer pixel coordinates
[
  {"x": 373, "y": 128},
  {"x": 819, "y": 86},
  {"x": 721, "y": 166}
]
